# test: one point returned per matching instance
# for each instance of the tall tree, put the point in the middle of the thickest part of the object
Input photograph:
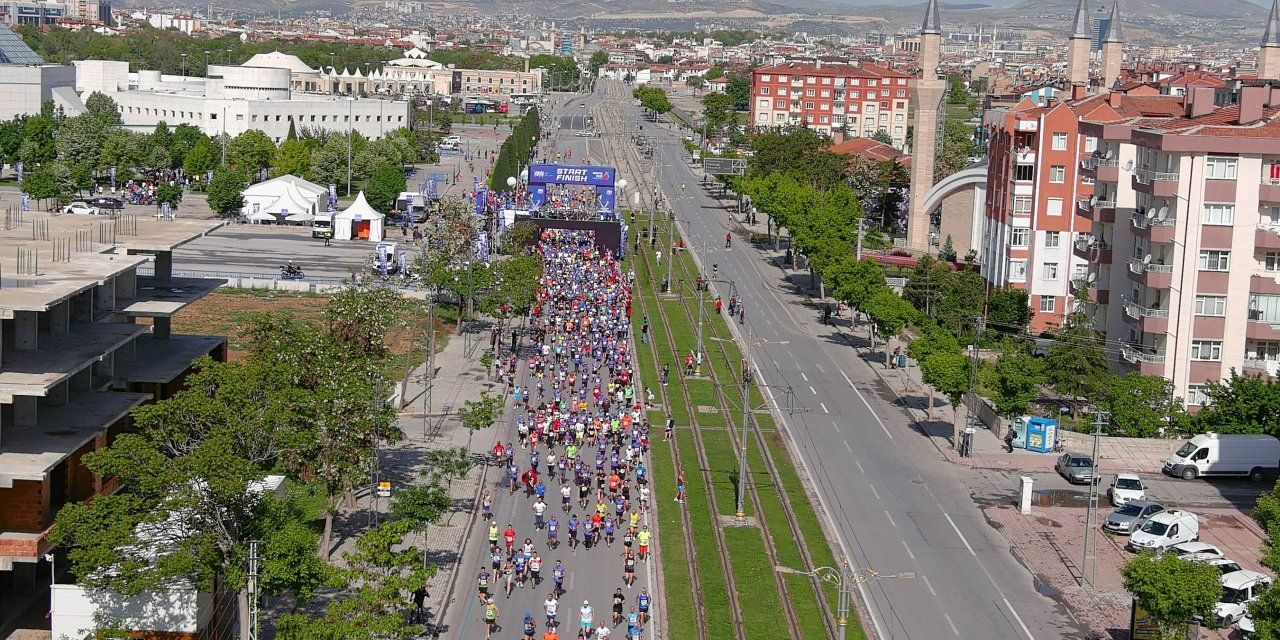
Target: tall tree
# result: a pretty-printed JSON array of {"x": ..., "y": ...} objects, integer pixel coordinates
[
  {"x": 385, "y": 184},
  {"x": 250, "y": 151},
  {"x": 1076, "y": 366},
  {"x": 103, "y": 107},
  {"x": 1242, "y": 404},
  {"x": 225, "y": 193},
  {"x": 1142, "y": 406},
  {"x": 739, "y": 88},
  {"x": 1018, "y": 378},
  {"x": 1172, "y": 590},
  {"x": 1008, "y": 313},
  {"x": 292, "y": 158}
]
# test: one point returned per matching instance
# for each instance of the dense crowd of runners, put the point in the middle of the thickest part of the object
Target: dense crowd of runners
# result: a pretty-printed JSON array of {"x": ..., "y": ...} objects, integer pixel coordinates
[{"x": 579, "y": 455}]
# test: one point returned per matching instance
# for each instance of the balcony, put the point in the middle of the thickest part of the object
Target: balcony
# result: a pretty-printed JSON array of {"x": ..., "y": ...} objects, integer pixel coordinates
[
  {"x": 1158, "y": 276},
  {"x": 1153, "y": 227},
  {"x": 1149, "y": 361},
  {"x": 1101, "y": 169},
  {"x": 1261, "y": 327},
  {"x": 1269, "y": 190},
  {"x": 1149, "y": 320},
  {"x": 1162, "y": 184},
  {"x": 1270, "y": 367},
  {"x": 1267, "y": 237},
  {"x": 1093, "y": 251}
]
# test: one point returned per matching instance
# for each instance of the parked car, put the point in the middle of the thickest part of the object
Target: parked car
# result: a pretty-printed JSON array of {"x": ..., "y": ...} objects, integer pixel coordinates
[
  {"x": 103, "y": 202},
  {"x": 1196, "y": 551},
  {"x": 82, "y": 208},
  {"x": 1129, "y": 517},
  {"x": 1165, "y": 529},
  {"x": 1126, "y": 487},
  {"x": 1212, "y": 454},
  {"x": 1077, "y": 468},
  {"x": 1239, "y": 588},
  {"x": 1223, "y": 565}
]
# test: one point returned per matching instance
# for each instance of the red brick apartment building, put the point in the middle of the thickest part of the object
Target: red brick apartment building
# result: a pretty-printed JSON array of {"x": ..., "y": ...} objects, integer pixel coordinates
[{"x": 840, "y": 100}]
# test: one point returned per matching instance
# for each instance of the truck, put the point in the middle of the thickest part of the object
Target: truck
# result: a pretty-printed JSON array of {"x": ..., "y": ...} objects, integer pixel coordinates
[
  {"x": 1234, "y": 454},
  {"x": 322, "y": 225}
]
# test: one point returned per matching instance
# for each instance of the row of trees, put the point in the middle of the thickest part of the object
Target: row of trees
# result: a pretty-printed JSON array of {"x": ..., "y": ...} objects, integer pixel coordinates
[
  {"x": 516, "y": 150},
  {"x": 652, "y": 98}
]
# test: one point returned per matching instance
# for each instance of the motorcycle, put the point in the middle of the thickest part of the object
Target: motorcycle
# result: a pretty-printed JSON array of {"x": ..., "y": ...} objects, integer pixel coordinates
[{"x": 291, "y": 273}]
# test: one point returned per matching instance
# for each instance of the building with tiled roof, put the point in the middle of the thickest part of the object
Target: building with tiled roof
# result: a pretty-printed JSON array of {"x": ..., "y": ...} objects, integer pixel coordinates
[{"x": 840, "y": 100}]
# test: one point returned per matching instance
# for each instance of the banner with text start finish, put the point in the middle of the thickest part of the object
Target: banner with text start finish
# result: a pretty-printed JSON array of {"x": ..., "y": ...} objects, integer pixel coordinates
[{"x": 571, "y": 174}]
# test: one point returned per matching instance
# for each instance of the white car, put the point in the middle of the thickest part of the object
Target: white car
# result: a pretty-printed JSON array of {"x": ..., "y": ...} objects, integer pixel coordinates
[
  {"x": 81, "y": 208},
  {"x": 1126, "y": 487},
  {"x": 1239, "y": 588},
  {"x": 1165, "y": 529},
  {"x": 1196, "y": 551}
]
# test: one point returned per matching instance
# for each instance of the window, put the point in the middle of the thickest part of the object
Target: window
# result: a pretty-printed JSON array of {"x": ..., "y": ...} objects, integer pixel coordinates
[
  {"x": 1213, "y": 260},
  {"x": 1022, "y": 205},
  {"x": 782, "y": 104},
  {"x": 808, "y": 105},
  {"x": 1196, "y": 395},
  {"x": 1206, "y": 350},
  {"x": 897, "y": 117},
  {"x": 1211, "y": 305},
  {"x": 1057, "y": 173},
  {"x": 1054, "y": 206},
  {"x": 897, "y": 130},
  {"x": 1271, "y": 260},
  {"x": 809, "y": 92},
  {"x": 1024, "y": 172},
  {"x": 1221, "y": 168},
  {"x": 902, "y": 93},
  {"x": 1218, "y": 214},
  {"x": 764, "y": 77},
  {"x": 1053, "y": 239},
  {"x": 764, "y": 91},
  {"x": 1049, "y": 270},
  {"x": 1090, "y": 144},
  {"x": 1048, "y": 303},
  {"x": 1018, "y": 236},
  {"x": 1059, "y": 141},
  {"x": 826, "y": 93},
  {"x": 1017, "y": 270}
]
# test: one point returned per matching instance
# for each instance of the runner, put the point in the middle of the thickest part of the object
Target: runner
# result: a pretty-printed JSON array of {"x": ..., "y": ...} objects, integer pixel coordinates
[{"x": 490, "y": 618}]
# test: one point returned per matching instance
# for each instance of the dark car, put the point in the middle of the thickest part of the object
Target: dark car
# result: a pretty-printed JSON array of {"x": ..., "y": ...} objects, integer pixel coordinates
[{"x": 106, "y": 203}]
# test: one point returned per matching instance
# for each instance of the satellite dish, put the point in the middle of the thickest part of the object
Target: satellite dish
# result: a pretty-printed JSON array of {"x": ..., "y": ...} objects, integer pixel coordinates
[
  {"x": 1093, "y": 201},
  {"x": 1146, "y": 259},
  {"x": 1128, "y": 165},
  {"x": 1150, "y": 214},
  {"x": 1106, "y": 155},
  {"x": 1091, "y": 277},
  {"x": 1163, "y": 213},
  {"x": 1092, "y": 240}
]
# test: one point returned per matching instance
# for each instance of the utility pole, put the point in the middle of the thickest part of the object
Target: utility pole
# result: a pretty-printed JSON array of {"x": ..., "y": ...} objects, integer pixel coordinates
[
  {"x": 742, "y": 454},
  {"x": 429, "y": 377},
  {"x": 252, "y": 589},
  {"x": 1089, "y": 566},
  {"x": 979, "y": 325},
  {"x": 859, "y": 253},
  {"x": 702, "y": 291}
]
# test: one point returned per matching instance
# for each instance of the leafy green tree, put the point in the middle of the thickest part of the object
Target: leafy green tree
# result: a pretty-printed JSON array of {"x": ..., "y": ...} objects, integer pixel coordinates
[
  {"x": 948, "y": 372},
  {"x": 380, "y": 575},
  {"x": 202, "y": 157},
  {"x": 653, "y": 98},
  {"x": 882, "y": 185},
  {"x": 515, "y": 279},
  {"x": 226, "y": 191},
  {"x": 292, "y": 158},
  {"x": 41, "y": 184},
  {"x": 79, "y": 141},
  {"x": 1008, "y": 313},
  {"x": 1076, "y": 366},
  {"x": 739, "y": 88},
  {"x": 889, "y": 313},
  {"x": 187, "y": 512},
  {"x": 121, "y": 150},
  {"x": 1018, "y": 378},
  {"x": 695, "y": 81},
  {"x": 927, "y": 283},
  {"x": 385, "y": 184},
  {"x": 170, "y": 194},
  {"x": 182, "y": 140},
  {"x": 1265, "y": 612},
  {"x": 934, "y": 341},
  {"x": 1242, "y": 404},
  {"x": 800, "y": 153},
  {"x": 1142, "y": 406},
  {"x": 250, "y": 151},
  {"x": 288, "y": 553},
  {"x": 957, "y": 147},
  {"x": 882, "y": 137},
  {"x": 565, "y": 71},
  {"x": 947, "y": 251},
  {"x": 103, "y": 107},
  {"x": 1172, "y": 590},
  {"x": 329, "y": 161},
  {"x": 717, "y": 108},
  {"x": 597, "y": 60}
]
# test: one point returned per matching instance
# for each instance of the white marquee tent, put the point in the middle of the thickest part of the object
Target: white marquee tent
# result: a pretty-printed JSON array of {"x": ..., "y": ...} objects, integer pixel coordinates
[
  {"x": 358, "y": 222},
  {"x": 283, "y": 198}
]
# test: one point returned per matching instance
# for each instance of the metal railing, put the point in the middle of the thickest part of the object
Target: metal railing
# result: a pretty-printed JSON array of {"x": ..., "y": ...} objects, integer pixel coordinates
[
  {"x": 1146, "y": 176},
  {"x": 1141, "y": 221},
  {"x": 1136, "y": 310},
  {"x": 1139, "y": 267},
  {"x": 1133, "y": 354},
  {"x": 1094, "y": 163}
]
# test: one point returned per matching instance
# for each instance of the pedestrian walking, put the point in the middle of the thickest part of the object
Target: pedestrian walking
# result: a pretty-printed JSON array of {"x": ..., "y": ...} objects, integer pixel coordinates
[
  {"x": 1008, "y": 440},
  {"x": 680, "y": 487}
]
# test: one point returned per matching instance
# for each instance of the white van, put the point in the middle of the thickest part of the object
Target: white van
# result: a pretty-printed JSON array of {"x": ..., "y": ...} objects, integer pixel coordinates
[
  {"x": 1165, "y": 529},
  {"x": 322, "y": 225},
  {"x": 1212, "y": 454}
]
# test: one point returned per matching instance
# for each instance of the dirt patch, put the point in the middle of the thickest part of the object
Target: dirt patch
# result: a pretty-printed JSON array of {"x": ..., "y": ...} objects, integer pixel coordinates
[{"x": 227, "y": 313}]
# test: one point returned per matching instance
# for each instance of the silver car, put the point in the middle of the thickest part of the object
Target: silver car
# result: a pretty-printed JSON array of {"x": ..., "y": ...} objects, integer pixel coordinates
[
  {"x": 1077, "y": 468},
  {"x": 1129, "y": 517}
]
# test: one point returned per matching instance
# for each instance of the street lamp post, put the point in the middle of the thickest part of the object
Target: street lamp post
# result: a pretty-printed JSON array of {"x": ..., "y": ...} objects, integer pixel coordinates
[
  {"x": 350, "y": 134},
  {"x": 184, "y": 65},
  {"x": 206, "y": 62},
  {"x": 844, "y": 578},
  {"x": 746, "y": 417}
]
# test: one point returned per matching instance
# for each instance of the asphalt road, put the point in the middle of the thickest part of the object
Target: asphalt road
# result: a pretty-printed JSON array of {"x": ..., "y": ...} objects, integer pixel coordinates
[
  {"x": 590, "y": 575},
  {"x": 897, "y": 505}
]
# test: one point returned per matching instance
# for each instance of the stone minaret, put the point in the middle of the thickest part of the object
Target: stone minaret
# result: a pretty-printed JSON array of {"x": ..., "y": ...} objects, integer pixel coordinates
[
  {"x": 928, "y": 94},
  {"x": 1269, "y": 54},
  {"x": 1112, "y": 49},
  {"x": 1078, "y": 46}
]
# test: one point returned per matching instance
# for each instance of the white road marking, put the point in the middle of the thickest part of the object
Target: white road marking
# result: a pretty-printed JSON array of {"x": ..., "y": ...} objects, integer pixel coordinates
[
  {"x": 815, "y": 391},
  {"x": 802, "y": 375},
  {"x": 873, "y": 490},
  {"x": 891, "y": 522},
  {"x": 904, "y": 546},
  {"x": 957, "y": 530},
  {"x": 820, "y": 369},
  {"x": 951, "y": 624},
  {"x": 846, "y": 446},
  {"x": 1018, "y": 618},
  {"x": 835, "y": 425},
  {"x": 928, "y": 585},
  {"x": 859, "y": 465},
  {"x": 867, "y": 404},
  {"x": 824, "y": 407}
]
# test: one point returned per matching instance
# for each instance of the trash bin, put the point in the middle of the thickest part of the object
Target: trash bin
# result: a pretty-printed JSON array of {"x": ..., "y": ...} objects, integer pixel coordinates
[{"x": 1041, "y": 434}]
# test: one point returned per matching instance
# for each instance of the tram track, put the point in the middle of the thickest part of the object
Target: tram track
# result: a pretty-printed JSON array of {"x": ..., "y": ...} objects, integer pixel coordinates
[{"x": 628, "y": 157}]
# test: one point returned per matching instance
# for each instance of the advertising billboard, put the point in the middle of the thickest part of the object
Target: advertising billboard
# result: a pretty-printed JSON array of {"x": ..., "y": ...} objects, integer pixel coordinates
[{"x": 571, "y": 174}]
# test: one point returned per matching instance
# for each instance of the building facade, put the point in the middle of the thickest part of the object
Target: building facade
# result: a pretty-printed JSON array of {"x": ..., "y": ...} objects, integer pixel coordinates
[{"x": 840, "y": 100}]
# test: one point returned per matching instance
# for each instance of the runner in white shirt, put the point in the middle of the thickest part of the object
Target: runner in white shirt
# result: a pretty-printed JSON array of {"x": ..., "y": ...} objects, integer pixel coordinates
[
  {"x": 587, "y": 615},
  {"x": 603, "y": 632},
  {"x": 551, "y": 605}
]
